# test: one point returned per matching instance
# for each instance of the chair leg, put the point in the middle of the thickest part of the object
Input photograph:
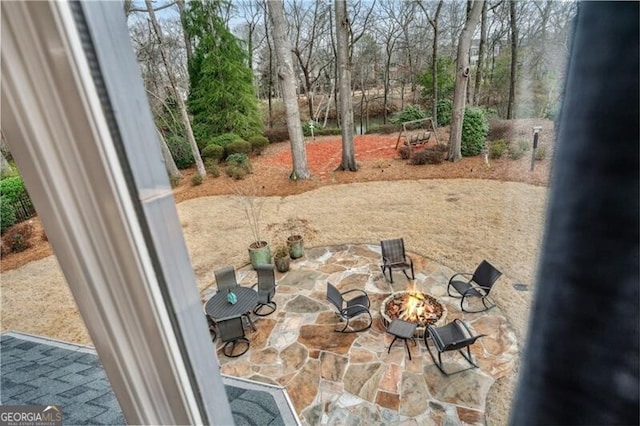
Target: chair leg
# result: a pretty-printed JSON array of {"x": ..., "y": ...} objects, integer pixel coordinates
[
  {"x": 344, "y": 329},
  {"x": 433, "y": 358},
  {"x": 257, "y": 310},
  {"x": 392, "y": 342},
  {"x": 408, "y": 350}
]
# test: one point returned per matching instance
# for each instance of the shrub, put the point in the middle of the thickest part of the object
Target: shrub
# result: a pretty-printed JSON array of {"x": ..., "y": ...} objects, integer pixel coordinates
[
  {"x": 404, "y": 152},
  {"x": 237, "y": 147},
  {"x": 515, "y": 152},
  {"x": 541, "y": 153},
  {"x": 236, "y": 171},
  {"x": 524, "y": 145},
  {"x": 213, "y": 152},
  {"x": 497, "y": 148},
  {"x": 12, "y": 188},
  {"x": 175, "y": 181},
  {"x": 224, "y": 139},
  {"x": 441, "y": 147},
  {"x": 180, "y": 151},
  {"x": 445, "y": 108},
  {"x": 17, "y": 238},
  {"x": 196, "y": 179},
  {"x": 258, "y": 143},
  {"x": 500, "y": 129},
  {"x": 327, "y": 131},
  {"x": 239, "y": 159},
  {"x": 212, "y": 168},
  {"x": 383, "y": 129},
  {"x": 277, "y": 134},
  {"x": 7, "y": 214},
  {"x": 427, "y": 156},
  {"x": 474, "y": 131},
  {"x": 409, "y": 113},
  {"x": 306, "y": 127}
]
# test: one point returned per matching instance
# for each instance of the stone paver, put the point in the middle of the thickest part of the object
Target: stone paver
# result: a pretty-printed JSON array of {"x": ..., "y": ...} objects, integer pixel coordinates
[{"x": 338, "y": 378}]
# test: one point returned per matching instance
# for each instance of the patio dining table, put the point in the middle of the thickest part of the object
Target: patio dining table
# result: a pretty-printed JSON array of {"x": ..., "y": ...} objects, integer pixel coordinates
[{"x": 218, "y": 307}]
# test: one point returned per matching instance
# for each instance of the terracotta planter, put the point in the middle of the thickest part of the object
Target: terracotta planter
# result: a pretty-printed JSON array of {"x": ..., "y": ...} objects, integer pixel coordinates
[
  {"x": 259, "y": 253},
  {"x": 296, "y": 246}
]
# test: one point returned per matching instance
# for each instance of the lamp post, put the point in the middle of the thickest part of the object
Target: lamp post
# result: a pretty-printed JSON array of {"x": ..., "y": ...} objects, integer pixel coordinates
[{"x": 536, "y": 130}]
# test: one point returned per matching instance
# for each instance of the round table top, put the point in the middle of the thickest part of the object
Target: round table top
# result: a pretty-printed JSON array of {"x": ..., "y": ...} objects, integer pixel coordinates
[{"x": 218, "y": 307}]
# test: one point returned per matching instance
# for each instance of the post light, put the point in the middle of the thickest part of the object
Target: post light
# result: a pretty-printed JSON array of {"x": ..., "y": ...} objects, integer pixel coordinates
[
  {"x": 536, "y": 130},
  {"x": 311, "y": 128}
]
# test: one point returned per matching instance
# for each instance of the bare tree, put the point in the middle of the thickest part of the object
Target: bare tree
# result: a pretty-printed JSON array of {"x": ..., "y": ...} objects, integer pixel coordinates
[
  {"x": 187, "y": 40},
  {"x": 288, "y": 87},
  {"x": 481, "y": 49},
  {"x": 434, "y": 61},
  {"x": 169, "y": 163},
  {"x": 343, "y": 31},
  {"x": 462, "y": 79},
  {"x": 174, "y": 86}
]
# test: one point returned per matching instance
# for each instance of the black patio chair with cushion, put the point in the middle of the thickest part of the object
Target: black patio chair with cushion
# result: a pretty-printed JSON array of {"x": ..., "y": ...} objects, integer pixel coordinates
[
  {"x": 479, "y": 285},
  {"x": 348, "y": 309},
  {"x": 225, "y": 278},
  {"x": 266, "y": 290},
  {"x": 231, "y": 332},
  {"x": 454, "y": 336},
  {"x": 394, "y": 257}
]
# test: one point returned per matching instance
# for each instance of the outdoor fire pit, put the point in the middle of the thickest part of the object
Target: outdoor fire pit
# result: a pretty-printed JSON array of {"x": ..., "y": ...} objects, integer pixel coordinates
[{"x": 413, "y": 306}]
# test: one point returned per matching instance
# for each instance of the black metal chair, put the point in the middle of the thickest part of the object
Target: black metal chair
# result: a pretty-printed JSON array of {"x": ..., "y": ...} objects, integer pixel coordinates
[
  {"x": 348, "y": 309},
  {"x": 212, "y": 328},
  {"x": 479, "y": 285},
  {"x": 231, "y": 332},
  {"x": 454, "y": 336},
  {"x": 394, "y": 257},
  {"x": 266, "y": 290},
  {"x": 225, "y": 278}
]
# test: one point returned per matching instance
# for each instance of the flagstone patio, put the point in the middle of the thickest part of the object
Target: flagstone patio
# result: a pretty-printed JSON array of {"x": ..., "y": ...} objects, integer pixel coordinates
[{"x": 336, "y": 378}]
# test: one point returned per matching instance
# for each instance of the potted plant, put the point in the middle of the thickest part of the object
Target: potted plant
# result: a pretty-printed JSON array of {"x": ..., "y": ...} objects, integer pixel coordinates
[
  {"x": 296, "y": 246},
  {"x": 259, "y": 251},
  {"x": 281, "y": 258}
]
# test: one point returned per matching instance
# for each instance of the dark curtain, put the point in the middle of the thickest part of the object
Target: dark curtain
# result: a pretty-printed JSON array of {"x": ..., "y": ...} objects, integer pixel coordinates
[{"x": 580, "y": 363}]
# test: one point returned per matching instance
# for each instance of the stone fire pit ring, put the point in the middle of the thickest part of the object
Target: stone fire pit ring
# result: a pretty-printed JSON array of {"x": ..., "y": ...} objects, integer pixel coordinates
[{"x": 425, "y": 298}]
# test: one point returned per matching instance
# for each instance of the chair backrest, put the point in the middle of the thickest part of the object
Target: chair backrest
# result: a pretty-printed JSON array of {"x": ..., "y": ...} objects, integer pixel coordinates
[
  {"x": 334, "y": 296},
  {"x": 266, "y": 277},
  {"x": 454, "y": 346},
  {"x": 230, "y": 329},
  {"x": 225, "y": 278},
  {"x": 393, "y": 250},
  {"x": 486, "y": 275}
]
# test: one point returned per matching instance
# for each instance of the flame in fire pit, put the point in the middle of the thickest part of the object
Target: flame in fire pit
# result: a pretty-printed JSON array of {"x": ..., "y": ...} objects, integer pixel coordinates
[{"x": 412, "y": 306}]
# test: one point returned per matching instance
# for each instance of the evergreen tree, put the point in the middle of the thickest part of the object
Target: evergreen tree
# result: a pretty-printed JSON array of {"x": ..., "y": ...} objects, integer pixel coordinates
[{"x": 222, "y": 97}]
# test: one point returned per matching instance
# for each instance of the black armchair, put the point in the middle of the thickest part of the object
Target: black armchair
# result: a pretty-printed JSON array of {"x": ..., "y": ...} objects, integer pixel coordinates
[
  {"x": 394, "y": 257},
  {"x": 348, "y": 309},
  {"x": 266, "y": 290},
  {"x": 225, "y": 278},
  {"x": 454, "y": 336},
  {"x": 479, "y": 286},
  {"x": 231, "y": 332}
]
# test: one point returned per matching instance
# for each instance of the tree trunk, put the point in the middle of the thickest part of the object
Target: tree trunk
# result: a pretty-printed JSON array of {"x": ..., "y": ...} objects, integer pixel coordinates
[
  {"x": 172, "y": 169},
  {"x": 514, "y": 61},
  {"x": 174, "y": 86},
  {"x": 288, "y": 88},
  {"x": 434, "y": 63},
  {"x": 187, "y": 40},
  {"x": 270, "y": 77},
  {"x": 343, "y": 28},
  {"x": 481, "y": 49},
  {"x": 462, "y": 78}
]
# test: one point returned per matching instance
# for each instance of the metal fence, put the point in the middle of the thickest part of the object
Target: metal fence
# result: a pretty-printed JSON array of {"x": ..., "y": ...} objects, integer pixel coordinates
[{"x": 23, "y": 208}]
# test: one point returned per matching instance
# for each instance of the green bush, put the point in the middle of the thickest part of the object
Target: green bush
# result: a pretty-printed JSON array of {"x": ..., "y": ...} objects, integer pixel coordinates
[
  {"x": 211, "y": 166},
  {"x": 235, "y": 171},
  {"x": 258, "y": 143},
  {"x": 224, "y": 139},
  {"x": 277, "y": 134},
  {"x": 524, "y": 145},
  {"x": 327, "y": 131},
  {"x": 383, "y": 129},
  {"x": 180, "y": 151},
  {"x": 515, "y": 151},
  {"x": 12, "y": 188},
  {"x": 409, "y": 113},
  {"x": 497, "y": 148},
  {"x": 427, "y": 156},
  {"x": 474, "y": 131},
  {"x": 7, "y": 214},
  {"x": 196, "y": 179},
  {"x": 213, "y": 152},
  {"x": 306, "y": 127},
  {"x": 541, "y": 153},
  {"x": 240, "y": 159},
  {"x": 445, "y": 109},
  {"x": 237, "y": 147}
]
